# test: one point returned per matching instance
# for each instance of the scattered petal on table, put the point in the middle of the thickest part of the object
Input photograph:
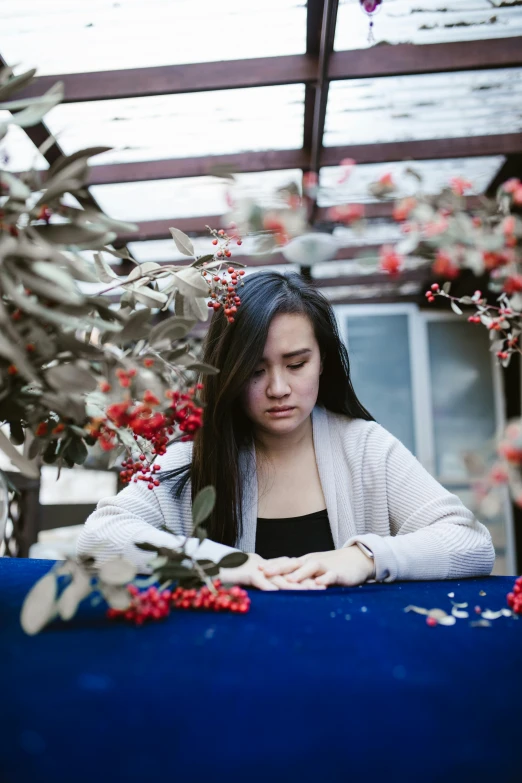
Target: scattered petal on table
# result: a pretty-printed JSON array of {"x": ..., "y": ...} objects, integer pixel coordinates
[
  {"x": 448, "y": 620},
  {"x": 418, "y": 609},
  {"x": 459, "y": 614},
  {"x": 507, "y": 612},
  {"x": 482, "y": 592},
  {"x": 459, "y": 606},
  {"x": 489, "y": 615},
  {"x": 451, "y": 595},
  {"x": 438, "y": 614},
  {"x": 480, "y": 624}
]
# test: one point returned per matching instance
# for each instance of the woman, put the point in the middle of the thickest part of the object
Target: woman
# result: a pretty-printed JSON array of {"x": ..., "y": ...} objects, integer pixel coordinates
[{"x": 307, "y": 482}]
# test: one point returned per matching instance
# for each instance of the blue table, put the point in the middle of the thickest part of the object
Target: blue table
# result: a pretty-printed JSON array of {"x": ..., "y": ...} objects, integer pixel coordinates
[{"x": 308, "y": 687}]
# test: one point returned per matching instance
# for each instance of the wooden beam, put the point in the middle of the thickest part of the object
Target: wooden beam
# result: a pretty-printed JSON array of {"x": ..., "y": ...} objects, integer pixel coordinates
[
  {"x": 321, "y": 90},
  {"x": 431, "y": 149},
  {"x": 512, "y": 168},
  {"x": 385, "y": 60},
  {"x": 405, "y": 59},
  {"x": 177, "y": 79},
  {"x": 273, "y": 160},
  {"x": 314, "y": 18}
]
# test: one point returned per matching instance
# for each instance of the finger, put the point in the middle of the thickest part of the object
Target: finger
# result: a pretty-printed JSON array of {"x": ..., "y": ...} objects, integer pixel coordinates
[
  {"x": 310, "y": 569},
  {"x": 329, "y": 578},
  {"x": 311, "y": 584},
  {"x": 260, "y": 581},
  {"x": 279, "y": 565},
  {"x": 284, "y": 584}
]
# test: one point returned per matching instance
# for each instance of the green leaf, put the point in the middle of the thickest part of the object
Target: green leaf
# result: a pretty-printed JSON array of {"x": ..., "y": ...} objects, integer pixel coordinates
[
  {"x": 456, "y": 308},
  {"x": 16, "y": 83},
  {"x": 17, "y": 434},
  {"x": 199, "y": 307},
  {"x": 209, "y": 567},
  {"x": 446, "y": 287},
  {"x": 172, "y": 328},
  {"x": 190, "y": 282},
  {"x": 71, "y": 378},
  {"x": 202, "y": 260},
  {"x": 182, "y": 242},
  {"x": 17, "y": 189},
  {"x": 174, "y": 571},
  {"x": 49, "y": 290},
  {"x": 66, "y": 160},
  {"x": 233, "y": 560},
  {"x": 69, "y": 234},
  {"x": 76, "y": 451},
  {"x": 35, "y": 112},
  {"x": 117, "y": 571},
  {"x": 201, "y": 367},
  {"x": 141, "y": 271},
  {"x": 56, "y": 275},
  {"x": 203, "y": 505},
  {"x": 39, "y": 606},
  {"x": 56, "y": 190},
  {"x": 135, "y": 328},
  {"x": 148, "y": 297}
]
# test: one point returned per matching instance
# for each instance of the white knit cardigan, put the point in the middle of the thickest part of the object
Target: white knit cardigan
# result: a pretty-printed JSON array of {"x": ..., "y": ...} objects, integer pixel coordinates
[{"x": 376, "y": 493}]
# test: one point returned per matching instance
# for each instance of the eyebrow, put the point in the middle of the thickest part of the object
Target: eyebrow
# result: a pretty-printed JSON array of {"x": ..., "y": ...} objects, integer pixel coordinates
[{"x": 290, "y": 355}]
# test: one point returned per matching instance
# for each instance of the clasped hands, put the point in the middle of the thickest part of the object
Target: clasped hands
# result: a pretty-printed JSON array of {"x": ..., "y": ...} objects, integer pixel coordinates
[{"x": 348, "y": 567}]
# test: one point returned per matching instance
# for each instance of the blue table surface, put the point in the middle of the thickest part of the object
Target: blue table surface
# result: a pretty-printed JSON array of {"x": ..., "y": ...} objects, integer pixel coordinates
[{"x": 309, "y": 686}]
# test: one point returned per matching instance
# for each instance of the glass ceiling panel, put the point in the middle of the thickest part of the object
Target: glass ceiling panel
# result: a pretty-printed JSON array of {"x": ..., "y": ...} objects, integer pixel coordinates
[
  {"x": 178, "y": 126},
  {"x": 430, "y": 21},
  {"x": 431, "y": 106},
  {"x": 435, "y": 175},
  {"x": 17, "y": 151},
  {"x": 188, "y": 197},
  {"x": 61, "y": 36}
]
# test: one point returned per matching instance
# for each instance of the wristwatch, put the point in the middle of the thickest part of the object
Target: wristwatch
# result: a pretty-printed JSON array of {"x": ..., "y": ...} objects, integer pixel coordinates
[{"x": 368, "y": 552}]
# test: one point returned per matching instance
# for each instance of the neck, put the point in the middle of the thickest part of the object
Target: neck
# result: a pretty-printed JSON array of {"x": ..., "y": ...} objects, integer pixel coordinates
[{"x": 276, "y": 447}]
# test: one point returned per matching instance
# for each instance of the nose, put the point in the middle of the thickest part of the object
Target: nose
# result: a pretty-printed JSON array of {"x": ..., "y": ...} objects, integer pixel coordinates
[{"x": 277, "y": 385}]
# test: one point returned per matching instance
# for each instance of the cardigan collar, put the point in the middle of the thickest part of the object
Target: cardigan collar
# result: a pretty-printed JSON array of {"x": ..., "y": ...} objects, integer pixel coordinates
[{"x": 326, "y": 468}]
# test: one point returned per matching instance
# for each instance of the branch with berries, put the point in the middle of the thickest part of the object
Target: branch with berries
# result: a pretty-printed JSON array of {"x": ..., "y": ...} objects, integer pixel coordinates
[{"x": 179, "y": 580}]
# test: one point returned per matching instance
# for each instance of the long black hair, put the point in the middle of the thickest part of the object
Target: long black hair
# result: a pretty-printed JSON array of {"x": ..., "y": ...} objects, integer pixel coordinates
[{"x": 235, "y": 349}]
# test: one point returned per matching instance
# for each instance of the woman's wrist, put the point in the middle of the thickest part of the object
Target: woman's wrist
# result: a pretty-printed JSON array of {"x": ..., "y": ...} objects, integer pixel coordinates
[{"x": 367, "y": 558}]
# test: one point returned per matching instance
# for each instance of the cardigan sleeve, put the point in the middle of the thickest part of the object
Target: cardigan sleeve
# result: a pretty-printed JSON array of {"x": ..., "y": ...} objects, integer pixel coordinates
[
  {"x": 431, "y": 534},
  {"x": 138, "y": 515}
]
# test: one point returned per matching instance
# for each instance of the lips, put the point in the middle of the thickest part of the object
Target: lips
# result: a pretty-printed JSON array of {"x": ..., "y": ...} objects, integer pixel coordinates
[{"x": 281, "y": 409}]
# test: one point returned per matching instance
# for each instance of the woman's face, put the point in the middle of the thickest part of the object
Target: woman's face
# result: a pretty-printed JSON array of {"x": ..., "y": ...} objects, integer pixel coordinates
[{"x": 283, "y": 389}]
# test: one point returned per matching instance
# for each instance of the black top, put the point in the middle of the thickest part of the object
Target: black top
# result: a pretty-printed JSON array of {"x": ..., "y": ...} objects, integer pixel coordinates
[{"x": 294, "y": 536}]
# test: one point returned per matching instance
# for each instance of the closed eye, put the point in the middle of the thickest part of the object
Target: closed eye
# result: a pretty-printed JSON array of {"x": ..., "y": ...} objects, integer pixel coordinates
[{"x": 296, "y": 366}]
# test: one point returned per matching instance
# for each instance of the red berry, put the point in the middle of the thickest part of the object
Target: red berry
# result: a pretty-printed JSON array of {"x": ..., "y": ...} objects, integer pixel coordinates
[{"x": 431, "y": 621}]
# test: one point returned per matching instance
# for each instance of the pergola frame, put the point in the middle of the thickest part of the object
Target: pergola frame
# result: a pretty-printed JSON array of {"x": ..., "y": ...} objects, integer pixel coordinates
[{"x": 316, "y": 69}]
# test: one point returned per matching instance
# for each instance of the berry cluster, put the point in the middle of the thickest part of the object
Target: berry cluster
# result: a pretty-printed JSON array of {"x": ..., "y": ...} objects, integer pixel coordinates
[
  {"x": 233, "y": 599},
  {"x": 150, "y": 604},
  {"x": 145, "y": 422},
  {"x": 223, "y": 292},
  {"x": 514, "y": 599},
  {"x": 153, "y": 604},
  {"x": 430, "y": 294}
]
